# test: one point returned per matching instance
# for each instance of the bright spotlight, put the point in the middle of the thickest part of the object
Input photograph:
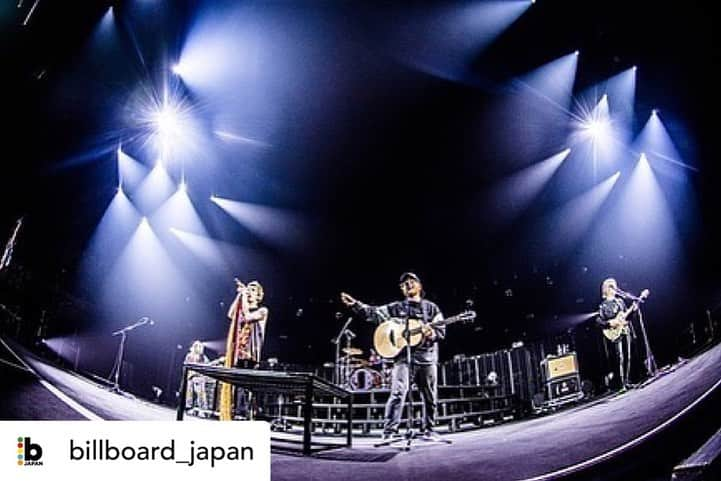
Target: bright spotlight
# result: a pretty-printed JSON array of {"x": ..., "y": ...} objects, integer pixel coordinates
[
  {"x": 120, "y": 189},
  {"x": 597, "y": 129},
  {"x": 596, "y": 124},
  {"x": 183, "y": 187},
  {"x": 178, "y": 69},
  {"x": 577, "y": 52},
  {"x": 143, "y": 220},
  {"x": 654, "y": 112},
  {"x": 166, "y": 121},
  {"x": 170, "y": 130}
]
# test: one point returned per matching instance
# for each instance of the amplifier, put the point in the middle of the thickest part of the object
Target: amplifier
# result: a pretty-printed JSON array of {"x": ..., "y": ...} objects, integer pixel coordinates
[{"x": 555, "y": 367}]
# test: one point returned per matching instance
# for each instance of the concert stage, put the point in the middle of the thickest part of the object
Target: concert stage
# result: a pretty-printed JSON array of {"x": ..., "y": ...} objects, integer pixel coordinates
[{"x": 617, "y": 437}]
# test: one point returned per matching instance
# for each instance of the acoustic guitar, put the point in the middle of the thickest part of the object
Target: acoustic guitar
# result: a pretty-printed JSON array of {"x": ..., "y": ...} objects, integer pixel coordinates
[{"x": 389, "y": 339}]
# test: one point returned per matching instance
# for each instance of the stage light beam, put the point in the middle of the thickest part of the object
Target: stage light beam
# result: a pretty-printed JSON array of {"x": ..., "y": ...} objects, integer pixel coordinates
[
  {"x": 515, "y": 193},
  {"x": 659, "y": 148},
  {"x": 277, "y": 226},
  {"x": 536, "y": 108},
  {"x": 565, "y": 227}
]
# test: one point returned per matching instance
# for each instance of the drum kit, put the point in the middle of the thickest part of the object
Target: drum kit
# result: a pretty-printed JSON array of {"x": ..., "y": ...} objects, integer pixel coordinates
[
  {"x": 351, "y": 371},
  {"x": 360, "y": 374}
]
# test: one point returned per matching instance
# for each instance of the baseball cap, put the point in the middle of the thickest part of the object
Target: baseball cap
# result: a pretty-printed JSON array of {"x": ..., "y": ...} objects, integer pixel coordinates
[{"x": 409, "y": 275}]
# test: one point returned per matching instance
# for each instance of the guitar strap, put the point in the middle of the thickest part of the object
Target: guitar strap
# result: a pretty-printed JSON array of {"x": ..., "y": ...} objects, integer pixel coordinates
[{"x": 424, "y": 310}]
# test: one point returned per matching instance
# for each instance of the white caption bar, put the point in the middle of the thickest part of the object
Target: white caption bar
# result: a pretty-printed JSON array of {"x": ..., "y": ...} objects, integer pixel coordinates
[{"x": 87, "y": 450}]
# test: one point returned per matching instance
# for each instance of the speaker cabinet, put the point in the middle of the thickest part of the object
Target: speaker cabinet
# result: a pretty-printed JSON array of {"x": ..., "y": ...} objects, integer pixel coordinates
[{"x": 560, "y": 366}]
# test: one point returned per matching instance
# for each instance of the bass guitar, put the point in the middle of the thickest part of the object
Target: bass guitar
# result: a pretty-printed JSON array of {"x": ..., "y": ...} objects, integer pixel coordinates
[{"x": 389, "y": 339}]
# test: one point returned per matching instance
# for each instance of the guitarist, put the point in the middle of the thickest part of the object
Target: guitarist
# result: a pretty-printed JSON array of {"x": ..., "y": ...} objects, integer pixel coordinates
[
  {"x": 608, "y": 317},
  {"x": 425, "y": 356}
]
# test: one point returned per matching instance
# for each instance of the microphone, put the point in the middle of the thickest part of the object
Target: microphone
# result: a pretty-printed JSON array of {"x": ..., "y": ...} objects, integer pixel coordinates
[
  {"x": 628, "y": 295},
  {"x": 620, "y": 292}
]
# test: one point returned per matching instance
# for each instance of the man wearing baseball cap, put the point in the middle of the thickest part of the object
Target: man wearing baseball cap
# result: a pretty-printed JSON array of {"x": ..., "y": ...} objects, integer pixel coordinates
[{"x": 424, "y": 356}]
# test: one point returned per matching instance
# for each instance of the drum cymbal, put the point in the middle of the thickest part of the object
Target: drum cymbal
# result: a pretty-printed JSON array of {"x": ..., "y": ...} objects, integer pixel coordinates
[
  {"x": 352, "y": 351},
  {"x": 352, "y": 362}
]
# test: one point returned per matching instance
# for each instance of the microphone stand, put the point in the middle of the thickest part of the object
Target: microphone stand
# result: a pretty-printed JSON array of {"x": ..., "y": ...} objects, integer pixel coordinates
[
  {"x": 650, "y": 361},
  {"x": 336, "y": 341},
  {"x": 118, "y": 366},
  {"x": 410, "y": 435}
]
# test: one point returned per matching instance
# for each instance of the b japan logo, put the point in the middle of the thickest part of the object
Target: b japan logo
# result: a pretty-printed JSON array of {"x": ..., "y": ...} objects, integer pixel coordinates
[{"x": 28, "y": 453}]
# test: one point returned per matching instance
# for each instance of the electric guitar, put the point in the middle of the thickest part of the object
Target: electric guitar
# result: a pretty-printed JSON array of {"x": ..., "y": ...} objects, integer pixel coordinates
[
  {"x": 389, "y": 339},
  {"x": 613, "y": 333}
]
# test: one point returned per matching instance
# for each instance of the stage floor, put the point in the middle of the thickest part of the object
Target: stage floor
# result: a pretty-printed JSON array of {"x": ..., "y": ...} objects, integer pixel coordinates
[{"x": 544, "y": 447}]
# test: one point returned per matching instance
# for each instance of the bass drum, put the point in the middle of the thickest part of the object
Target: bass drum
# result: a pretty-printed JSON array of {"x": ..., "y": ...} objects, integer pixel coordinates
[{"x": 364, "y": 379}]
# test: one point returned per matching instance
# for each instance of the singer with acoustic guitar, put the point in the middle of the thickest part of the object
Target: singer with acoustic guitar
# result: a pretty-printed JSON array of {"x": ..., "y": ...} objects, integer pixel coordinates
[{"x": 425, "y": 355}]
